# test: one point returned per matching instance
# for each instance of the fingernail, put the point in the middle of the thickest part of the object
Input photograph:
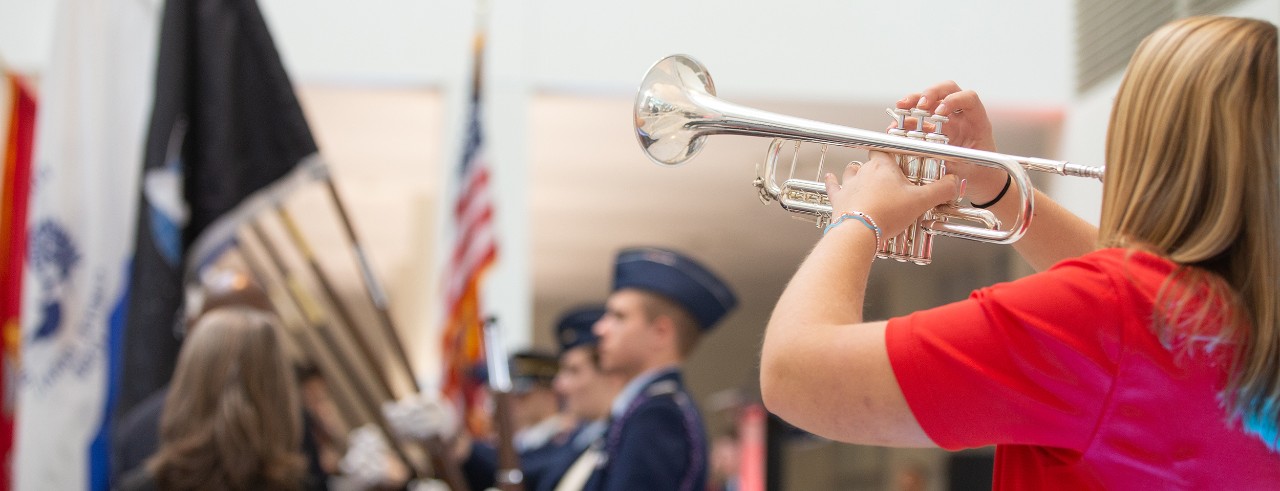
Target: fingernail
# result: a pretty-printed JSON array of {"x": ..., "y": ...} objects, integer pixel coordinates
[
  {"x": 941, "y": 109},
  {"x": 963, "y": 184},
  {"x": 922, "y": 101}
]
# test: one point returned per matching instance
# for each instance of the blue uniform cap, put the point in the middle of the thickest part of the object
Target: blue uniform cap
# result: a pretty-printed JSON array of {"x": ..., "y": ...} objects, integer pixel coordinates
[
  {"x": 677, "y": 277},
  {"x": 574, "y": 328}
]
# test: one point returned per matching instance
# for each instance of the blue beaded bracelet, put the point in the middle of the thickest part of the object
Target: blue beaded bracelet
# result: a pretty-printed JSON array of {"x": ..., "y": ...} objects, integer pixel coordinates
[{"x": 861, "y": 218}]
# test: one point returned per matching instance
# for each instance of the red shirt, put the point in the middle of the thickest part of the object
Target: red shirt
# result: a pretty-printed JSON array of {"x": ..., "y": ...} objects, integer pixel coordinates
[{"x": 1061, "y": 370}]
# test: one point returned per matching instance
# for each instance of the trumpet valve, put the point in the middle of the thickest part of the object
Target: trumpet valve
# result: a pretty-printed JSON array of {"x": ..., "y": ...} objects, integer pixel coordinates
[
  {"x": 899, "y": 119},
  {"x": 937, "y": 136},
  {"x": 920, "y": 115},
  {"x": 937, "y": 120}
]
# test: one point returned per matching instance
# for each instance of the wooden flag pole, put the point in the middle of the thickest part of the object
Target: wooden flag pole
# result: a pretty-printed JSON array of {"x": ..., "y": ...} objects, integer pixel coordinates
[
  {"x": 373, "y": 288},
  {"x": 292, "y": 321},
  {"x": 301, "y": 244},
  {"x": 442, "y": 458},
  {"x": 303, "y": 302}
]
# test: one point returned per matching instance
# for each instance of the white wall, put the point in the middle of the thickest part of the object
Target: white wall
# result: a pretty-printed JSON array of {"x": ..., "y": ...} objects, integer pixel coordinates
[
  {"x": 25, "y": 29},
  {"x": 1084, "y": 136},
  {"x": 817, "y": 49}
]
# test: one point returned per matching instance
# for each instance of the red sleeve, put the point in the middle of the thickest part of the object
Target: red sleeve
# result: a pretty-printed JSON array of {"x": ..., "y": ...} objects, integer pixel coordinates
[{"x": 1026, "y": 362}]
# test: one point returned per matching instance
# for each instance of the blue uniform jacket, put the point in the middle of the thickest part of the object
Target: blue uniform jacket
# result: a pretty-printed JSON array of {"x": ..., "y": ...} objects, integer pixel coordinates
[
  {"x": 542, "y": 466},
  {"x": 658, "y": 442}
]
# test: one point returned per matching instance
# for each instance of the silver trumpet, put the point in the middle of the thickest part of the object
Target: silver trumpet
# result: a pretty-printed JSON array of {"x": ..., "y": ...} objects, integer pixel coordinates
[{"x": 676, "y": 108}]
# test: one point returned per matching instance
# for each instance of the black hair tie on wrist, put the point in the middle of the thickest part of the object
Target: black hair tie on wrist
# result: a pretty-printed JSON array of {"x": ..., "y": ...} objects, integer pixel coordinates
[{"x": 1007, "y": 180}]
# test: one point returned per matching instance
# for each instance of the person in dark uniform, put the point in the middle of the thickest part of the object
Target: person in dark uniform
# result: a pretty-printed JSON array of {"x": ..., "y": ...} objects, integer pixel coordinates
[
  {"x": 662, "y": 303},
  {"x": 541, "y": 429},
  {"x": 587, "y": 392}
]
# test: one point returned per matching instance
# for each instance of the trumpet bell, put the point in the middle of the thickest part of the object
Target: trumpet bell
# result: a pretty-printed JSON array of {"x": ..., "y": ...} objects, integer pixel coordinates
[{"x": 664, "y": 108}]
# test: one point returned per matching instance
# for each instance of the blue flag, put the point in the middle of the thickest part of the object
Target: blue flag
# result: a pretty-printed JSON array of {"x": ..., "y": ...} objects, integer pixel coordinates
[{"x": 94, "y": 101}]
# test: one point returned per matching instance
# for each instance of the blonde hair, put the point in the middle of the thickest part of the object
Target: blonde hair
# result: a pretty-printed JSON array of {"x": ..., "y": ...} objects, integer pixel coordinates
[
  {"x": 232, "y": 419},
  {"x": 1192, "y": 175}
]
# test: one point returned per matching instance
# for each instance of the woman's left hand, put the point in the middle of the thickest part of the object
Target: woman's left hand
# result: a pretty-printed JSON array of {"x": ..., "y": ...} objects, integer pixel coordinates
[{"x": 878, "y": 189}]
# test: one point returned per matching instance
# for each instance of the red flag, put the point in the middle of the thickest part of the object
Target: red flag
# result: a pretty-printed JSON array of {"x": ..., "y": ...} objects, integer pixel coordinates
[
  {"x": 473, "y": 250},
  {"x": 13, "y": 223}
]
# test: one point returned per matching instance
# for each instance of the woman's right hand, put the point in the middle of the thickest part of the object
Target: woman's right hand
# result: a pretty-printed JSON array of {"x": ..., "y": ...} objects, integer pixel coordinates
[
  {"x": 968, "y": 126},
  {"x": 878, "y": 189}
]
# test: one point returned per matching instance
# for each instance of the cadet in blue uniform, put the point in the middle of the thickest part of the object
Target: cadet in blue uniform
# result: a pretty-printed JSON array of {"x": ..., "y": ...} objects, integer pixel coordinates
[
  {"x": 662, "y": 303},
  {"x": 541, "y": 430},
  {"x": 587, "y": 392},
  {"x": 547, "y": 449}
]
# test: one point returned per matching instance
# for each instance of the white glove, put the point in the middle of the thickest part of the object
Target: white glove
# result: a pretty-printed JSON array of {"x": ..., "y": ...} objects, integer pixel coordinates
[
  {"x": 420, "y": 417},
  {"x": 427, "y": 485},
  {"x": 367, "y": 460}
]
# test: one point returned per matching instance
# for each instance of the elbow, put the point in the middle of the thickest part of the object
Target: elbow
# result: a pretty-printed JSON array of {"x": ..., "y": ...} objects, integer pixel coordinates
[
  {"x": 787, "y": 362},
  {"x": 768, "y": 385},
  {"x": 773, "y": 401},
  {"x": 782, "y": 365},
  {"x": 773, "y": 383}
]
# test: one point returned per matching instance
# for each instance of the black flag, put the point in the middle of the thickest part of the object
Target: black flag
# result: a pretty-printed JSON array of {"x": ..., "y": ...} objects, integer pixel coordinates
[{"x": 225, "y": 124}]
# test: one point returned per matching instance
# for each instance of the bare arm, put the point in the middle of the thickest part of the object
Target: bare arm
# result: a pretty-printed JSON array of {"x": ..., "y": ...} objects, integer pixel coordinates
[
  {"x": 1055, "y": 233},
  {"x": 822, "y": 368}
]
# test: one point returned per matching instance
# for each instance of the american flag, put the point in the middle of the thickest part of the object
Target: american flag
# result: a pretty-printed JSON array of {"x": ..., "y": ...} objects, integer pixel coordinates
[{"x": 472, "y": 250}]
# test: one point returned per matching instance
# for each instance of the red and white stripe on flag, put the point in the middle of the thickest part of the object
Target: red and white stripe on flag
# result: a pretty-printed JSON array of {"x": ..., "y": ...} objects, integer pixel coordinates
[{"x": 472, "y": 250}]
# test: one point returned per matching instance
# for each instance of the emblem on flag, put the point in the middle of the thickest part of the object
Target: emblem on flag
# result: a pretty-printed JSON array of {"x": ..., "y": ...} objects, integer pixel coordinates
[{"x": 52, "y": 258}]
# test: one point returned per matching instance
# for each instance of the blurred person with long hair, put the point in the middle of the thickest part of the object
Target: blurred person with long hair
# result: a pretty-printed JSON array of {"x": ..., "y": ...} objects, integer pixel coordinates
[{"x": 232, "y": 419}]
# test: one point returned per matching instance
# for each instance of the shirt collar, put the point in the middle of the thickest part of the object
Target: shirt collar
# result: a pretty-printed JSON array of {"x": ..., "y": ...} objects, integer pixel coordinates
[
  {"x": 539, "y": 434},
  {"x": 590, "y": 432},
  {"x": 633, "y": 388}
]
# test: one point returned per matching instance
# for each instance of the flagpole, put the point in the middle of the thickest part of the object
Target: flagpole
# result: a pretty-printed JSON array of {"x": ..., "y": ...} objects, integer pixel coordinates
[
  {"x": 301, "y": 244},
  {"x": 317, "y": 325},
  {"x": 482, "y": 28},
  {"x": 509, "y": 477},
  {"x": 278, "y": 298},
  {"x": 372, "y": 286},
  {"x": 447, "y": 468}
]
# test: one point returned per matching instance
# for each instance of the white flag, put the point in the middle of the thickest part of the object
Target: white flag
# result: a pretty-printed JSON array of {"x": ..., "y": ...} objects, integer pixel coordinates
[{"x": 95, "y": 100}]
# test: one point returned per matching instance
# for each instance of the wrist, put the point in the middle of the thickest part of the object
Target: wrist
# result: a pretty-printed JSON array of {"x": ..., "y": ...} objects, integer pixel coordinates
[
  {"x": 856, "y": 217},
  {"x": 995, "y": 199}
]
